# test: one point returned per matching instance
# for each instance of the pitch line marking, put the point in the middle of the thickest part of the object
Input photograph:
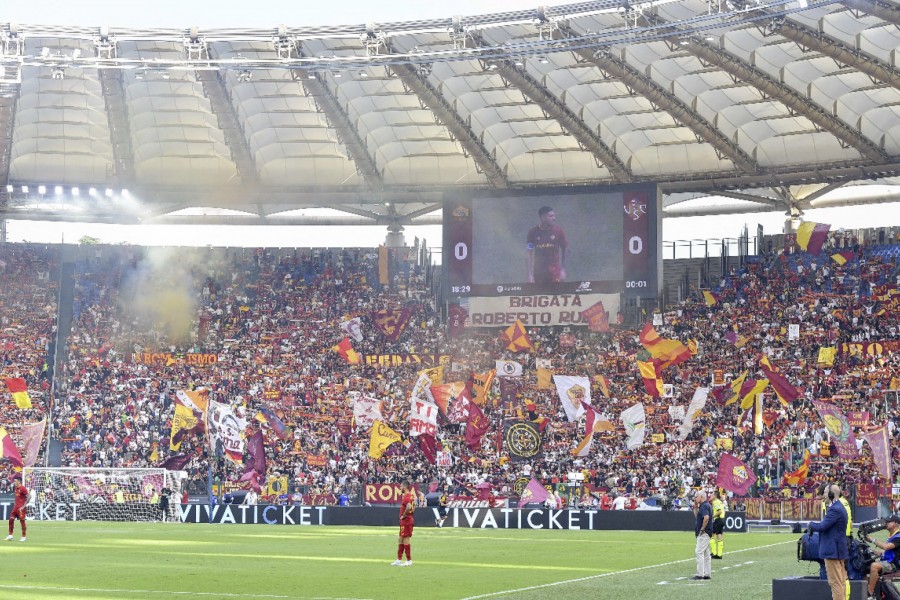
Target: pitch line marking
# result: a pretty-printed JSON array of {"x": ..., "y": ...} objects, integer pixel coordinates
[
  {"x": 609, "y": 574},
  {"x": 180, "y": 593}
]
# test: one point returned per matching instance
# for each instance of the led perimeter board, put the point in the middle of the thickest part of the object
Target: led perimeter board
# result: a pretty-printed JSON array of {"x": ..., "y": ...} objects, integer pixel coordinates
[{"x": 553, "y": 241}]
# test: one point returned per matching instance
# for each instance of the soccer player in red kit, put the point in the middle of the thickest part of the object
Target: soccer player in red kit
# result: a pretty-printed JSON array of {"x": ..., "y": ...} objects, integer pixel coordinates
[
  {"x": 407, "y": 508},
  {"x": 18, "y": 511},
  {"x": 547, "y": 246}
]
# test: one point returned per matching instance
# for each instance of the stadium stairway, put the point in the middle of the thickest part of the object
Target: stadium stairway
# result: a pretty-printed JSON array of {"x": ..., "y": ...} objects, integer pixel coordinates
[{"x": 64, "y": 327}]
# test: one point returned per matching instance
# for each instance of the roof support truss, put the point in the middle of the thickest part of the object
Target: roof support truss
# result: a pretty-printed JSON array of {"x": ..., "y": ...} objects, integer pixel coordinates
[
  {"x": 883, "y": 10},
  {"x": 820, "y": 42},
  {"x": 438, "y": 105},
  {"x": 222, "y": 107},
  {"x": 112, "y": 85},
  {"x": 794, "y": 101},
  {"x": 568, "y": 120},
  {"x": 671, "y": 104}
]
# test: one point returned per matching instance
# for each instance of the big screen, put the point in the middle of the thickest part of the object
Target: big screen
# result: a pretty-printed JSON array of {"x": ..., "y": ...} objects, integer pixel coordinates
[{"x": 556, "y": 241}]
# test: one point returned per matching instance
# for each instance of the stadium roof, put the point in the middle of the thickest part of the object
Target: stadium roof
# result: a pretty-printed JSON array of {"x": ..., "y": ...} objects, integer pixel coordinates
[{"x": 776, "y": 103}]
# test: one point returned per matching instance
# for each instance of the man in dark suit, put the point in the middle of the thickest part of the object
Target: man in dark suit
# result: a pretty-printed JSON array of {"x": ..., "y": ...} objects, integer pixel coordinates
[{"x": 833, "y": 542}]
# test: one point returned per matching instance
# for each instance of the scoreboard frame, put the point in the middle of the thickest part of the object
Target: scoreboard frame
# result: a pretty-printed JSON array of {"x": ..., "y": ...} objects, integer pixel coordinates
[{"x": 641, "y": 247}]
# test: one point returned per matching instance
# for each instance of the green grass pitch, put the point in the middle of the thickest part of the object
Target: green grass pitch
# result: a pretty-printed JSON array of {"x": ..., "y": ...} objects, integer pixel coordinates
[{"x": 164, "y": 560}]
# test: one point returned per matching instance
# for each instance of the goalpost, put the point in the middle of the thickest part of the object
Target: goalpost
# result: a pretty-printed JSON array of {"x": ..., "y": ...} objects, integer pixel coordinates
[{"x": 101, "y": 494}]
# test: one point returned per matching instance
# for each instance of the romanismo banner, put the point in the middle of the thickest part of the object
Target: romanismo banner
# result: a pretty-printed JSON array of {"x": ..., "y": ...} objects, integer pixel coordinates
[{"x": 536, "y": 311}]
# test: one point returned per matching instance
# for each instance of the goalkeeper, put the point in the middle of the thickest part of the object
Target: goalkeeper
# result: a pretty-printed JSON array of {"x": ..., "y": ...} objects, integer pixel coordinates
[{"x": 18, "y": 511}]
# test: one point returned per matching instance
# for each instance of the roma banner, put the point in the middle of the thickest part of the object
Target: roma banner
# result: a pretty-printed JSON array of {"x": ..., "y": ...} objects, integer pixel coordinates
[
  {"x": 880, "y": 443},
  {"x": 869, "y": 348},
  {"x": 734, "y": 475},
  {"x": 597, "y": 318},
  {"x": 539, "y": 311},
  {"x": 477, "y": 424},
  {"x": 523, "y": 440},
  {"x": 839, "y": 428},
  {"x": 394, "y": 360},
  {"x": 392, "y": 322},
  {"x": 224, "y": 426},
  {"x": 573, "y": 391},
  {"x": 445, "y": 394},
  {"x": 32, "y": 436}
]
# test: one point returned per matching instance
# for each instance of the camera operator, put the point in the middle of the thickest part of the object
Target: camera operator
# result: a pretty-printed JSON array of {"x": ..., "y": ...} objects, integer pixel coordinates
[
  {"x": 833, "y": 542},
  {"x": 889, "y": 559}
]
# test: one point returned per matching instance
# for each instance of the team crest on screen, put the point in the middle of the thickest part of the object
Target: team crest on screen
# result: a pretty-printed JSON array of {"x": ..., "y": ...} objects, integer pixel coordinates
[{"x": 460, "y": 213}]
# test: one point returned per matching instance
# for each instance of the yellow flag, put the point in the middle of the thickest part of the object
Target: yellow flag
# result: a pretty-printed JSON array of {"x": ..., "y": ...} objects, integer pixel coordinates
[
  {"x": 709, "y": 298},
  {"x": 481, "y": 383},
  {"x": 382, "y": 437},
  {"x": 544, "y": 379},
  {"x": 826, "y": 355},
  {"x": 183, "y": 420}
]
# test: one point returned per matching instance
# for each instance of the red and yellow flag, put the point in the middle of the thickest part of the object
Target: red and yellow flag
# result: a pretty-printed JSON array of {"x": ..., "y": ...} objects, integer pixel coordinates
[
  {"x": 842, "y": 258},
  {"x": 786, "y": 392},
  {"x": 811, "y": 236},
  {"x": 666, "y": 352},
  {"x": 798, "y": 477},
  {"x": 345, "y": 349},
  {"x": 19, "y": 391},
  {"x": 652, "y": 382},
  {"x": 515, "y": 338},
  {"x": 710, "y": 298},
  {"x": 749, "y": 392}
]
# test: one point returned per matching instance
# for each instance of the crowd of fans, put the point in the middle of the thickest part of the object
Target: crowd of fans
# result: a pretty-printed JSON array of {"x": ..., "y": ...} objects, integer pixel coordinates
[{"x": 272, "y": 317}]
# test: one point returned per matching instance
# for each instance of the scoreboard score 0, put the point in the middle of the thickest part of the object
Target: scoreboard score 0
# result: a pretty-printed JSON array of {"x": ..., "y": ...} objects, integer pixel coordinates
[{"x": 553, "y": 241}]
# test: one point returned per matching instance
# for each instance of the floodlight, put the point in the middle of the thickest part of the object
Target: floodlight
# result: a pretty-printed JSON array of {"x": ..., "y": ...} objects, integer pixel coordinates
[{"x": 42, "y": 189}]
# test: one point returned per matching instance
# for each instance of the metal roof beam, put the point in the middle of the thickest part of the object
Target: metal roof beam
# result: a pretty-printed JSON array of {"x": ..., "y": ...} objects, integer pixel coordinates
[
  {"x": 223, "y": 109},
  {"x": 113, "y": 88},
  {"x": 669, "y": 103},
  {"x": 775, "y": 202},
  {"x": 438, "y": 105},
  {"x": 853, "y": 57},
  {"x": 883, "y": 10},
  {"x": 568, "y": 120},
  {"x": 795, "y": 101}
]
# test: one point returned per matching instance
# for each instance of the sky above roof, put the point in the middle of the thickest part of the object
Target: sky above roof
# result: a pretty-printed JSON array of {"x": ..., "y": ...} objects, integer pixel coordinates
[{"x": 263, "y": 13}]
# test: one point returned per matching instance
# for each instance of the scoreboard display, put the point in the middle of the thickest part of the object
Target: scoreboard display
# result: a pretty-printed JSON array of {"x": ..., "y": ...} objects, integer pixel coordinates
[{"x": 553, "y": 241}]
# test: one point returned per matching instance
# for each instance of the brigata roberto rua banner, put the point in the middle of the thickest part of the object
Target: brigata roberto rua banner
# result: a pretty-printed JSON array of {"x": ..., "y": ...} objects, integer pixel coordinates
[{"x": 536, "y": 311}]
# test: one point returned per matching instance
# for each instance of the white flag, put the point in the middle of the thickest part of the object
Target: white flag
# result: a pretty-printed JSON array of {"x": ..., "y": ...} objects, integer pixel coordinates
[
  {"x": 225, "y": 426},
  {"x": 353, "y": 329},
  {"x": 793, "y": 331},
  {"x": 422, "y": 418},
  {"x": 366, "y": 410},
  {"x": 676, "y": 413},
  {"x": 694, "y": 409},
  {"x": 508, "y": 368},
  {"x": 543, "y": 363},
  {"x": 633, "y": 419},
  {"x": 422, "y": 388},
  {"x": 572, "y": 392}
]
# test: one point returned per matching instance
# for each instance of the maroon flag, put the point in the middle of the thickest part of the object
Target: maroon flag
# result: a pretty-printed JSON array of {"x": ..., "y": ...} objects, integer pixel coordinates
[
  {"x": 534, "y": 493},
  {"x": 783, "y": 388},
  {"x": 255, "y": 456},
  {"x": 176, "y": 463},
  {"x": 32, "y": 436},
  {"x": 458, "y": 412},
  {"x": 428, "y": 445},
  {"x": 734, "y": 475},
  {"x": 839, "y": 427},
  {"x": 476, "y": 426},
  {"x": 597, "y": 317},
  {"x": 880, "y": 443},
  {"x": 392, "y": 322},
  {"x": 456, "y": 320}
]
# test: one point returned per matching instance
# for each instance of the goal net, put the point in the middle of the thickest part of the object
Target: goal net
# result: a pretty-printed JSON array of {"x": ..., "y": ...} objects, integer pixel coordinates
[{"x": 102, "y": 494}]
